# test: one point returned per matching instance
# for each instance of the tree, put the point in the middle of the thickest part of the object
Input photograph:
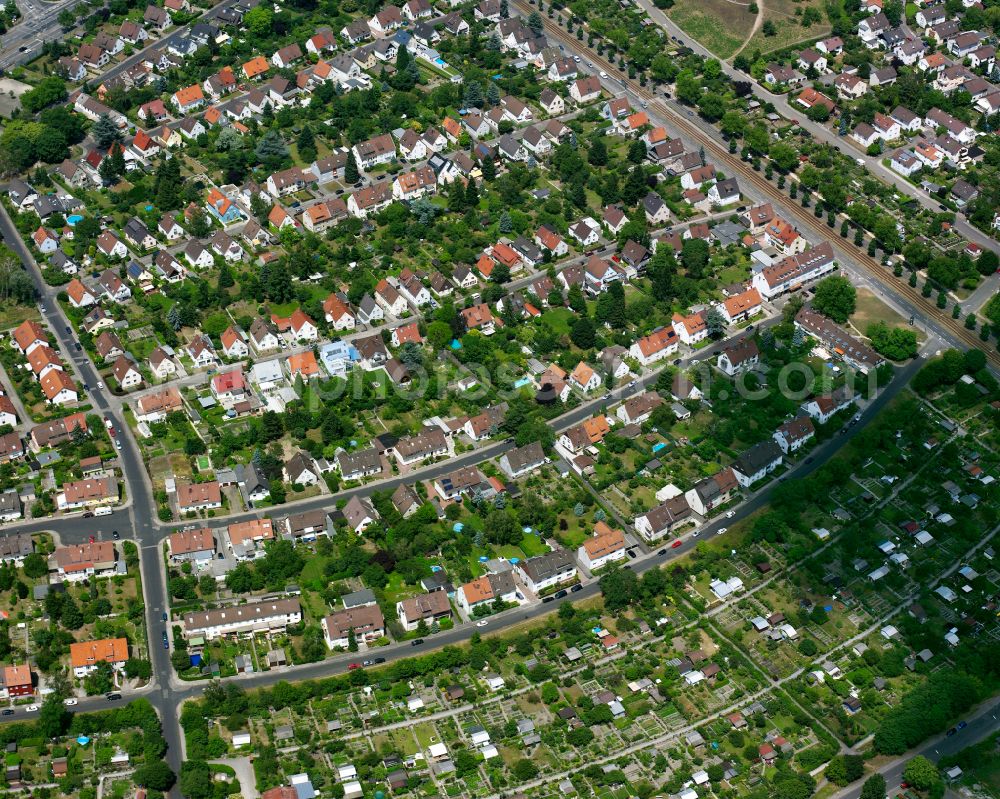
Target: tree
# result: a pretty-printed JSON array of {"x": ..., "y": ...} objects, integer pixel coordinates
[
  {"x": 874, "y": 787},
  {"x": 506, "y": 223},
  {"x": 138, "y": 669},
  {"x": 271, "y": 147},
  {"x": 438, "y": 334},
  {"x": 35, "y": 566},
  {"x": 895, "y": 343},
  {"x": 768, "y": 28},
  {"x": 583, "y": 334},
  {"x": 836, "y": 298},
  {"x": 619, "y": 588},
  {"x": 351, "y": 173},
  {"x": 535, "y": 23},
  {"x": 711, "y": 106},
  {"x": 694, "y": 256},
  {"x": 493, "y": 94},
  {"x": 53, "y": 718},
  {"x": 785, "y": 157},
  {"x": 715, "y": 322},
  {"x": 196, "y": 777},
  {"x": 921, "y": 773},
  {"x": 502, "y": 528},
  {"x": 525, "y": 769},
  {"x": 845, "y": 769},
  {"x": 108, "y": 170},
  {"x": 734, "y": 123},
  {"x": 306, "y": 143},
  {"x": 100, "y": 681},
  {"x": 48, "y": 91},
  {"x": 167, "y": 186},
  {"x": 259, "y": 21},
  {"x": 473, "y": 96},
  {"x": 50, "y": 146},
  {"x": 472, "y": 190},
  {"x": 155, "y": 775},
  {"x": 105, "y": 132},
  {"x": 597, "y": 153}
]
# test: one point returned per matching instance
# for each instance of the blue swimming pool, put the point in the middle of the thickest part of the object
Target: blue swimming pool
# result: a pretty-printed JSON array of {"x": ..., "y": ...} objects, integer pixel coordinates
[
  {"x": 658, "y": 447},
  {"x": 72, "y": 219},
  {"x": 524, "y": 381}
]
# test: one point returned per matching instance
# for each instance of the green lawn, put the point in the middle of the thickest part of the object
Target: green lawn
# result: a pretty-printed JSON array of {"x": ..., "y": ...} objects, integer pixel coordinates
[
  {"x": 533, "y": 545},
  {"x": 558, "y": 319}
]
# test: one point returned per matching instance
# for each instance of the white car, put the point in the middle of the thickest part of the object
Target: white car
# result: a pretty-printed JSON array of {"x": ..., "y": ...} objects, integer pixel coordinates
[
  {"x": 604, "y": 74},
  {"x": 31, "y": 708},
  {"x": 722, "y": 530},
  {"x": 482, "y": 623},
  {"x": 730, "y": 514},
  {"x": 100, "y": 384},
  {"x": 69, "y": 702}
]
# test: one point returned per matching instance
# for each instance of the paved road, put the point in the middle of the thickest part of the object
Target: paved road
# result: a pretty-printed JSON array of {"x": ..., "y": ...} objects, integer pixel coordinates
[
  {"x": 682, "y": 123},
  {"x": 38, "y": 25},
  {"x": 982, "y": 722},
  {"x": 167, "y": 694},
  {"x": 821, "y": 132}
]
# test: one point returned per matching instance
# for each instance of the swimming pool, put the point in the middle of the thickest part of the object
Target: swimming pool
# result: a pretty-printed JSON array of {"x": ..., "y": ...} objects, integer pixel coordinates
[
  {"x": 524, "y": 381},
  {"x": 658, "y": 447},
  {"x": 73, "y": 219}
]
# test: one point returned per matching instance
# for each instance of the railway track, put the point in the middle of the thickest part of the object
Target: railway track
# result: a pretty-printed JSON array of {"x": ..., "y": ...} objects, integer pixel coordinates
[{"x": 805, "y": 220}]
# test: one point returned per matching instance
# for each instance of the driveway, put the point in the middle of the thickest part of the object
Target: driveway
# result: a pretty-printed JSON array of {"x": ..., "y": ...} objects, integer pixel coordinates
[{"x": 244, "y": 773}]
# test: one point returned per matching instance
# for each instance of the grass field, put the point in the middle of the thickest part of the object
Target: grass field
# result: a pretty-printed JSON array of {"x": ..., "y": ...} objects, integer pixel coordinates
[
  {"x": 871, "y": 309},
  {"x": 12, "y": 315},
  {"x": 788, "y": 28},
  {"x": 719, "y": 25},
  {"x": 558, "y": 319}
]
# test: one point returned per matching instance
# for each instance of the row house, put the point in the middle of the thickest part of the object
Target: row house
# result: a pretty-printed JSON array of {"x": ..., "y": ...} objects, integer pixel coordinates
[
  {"x": 836, "y": 339},
  {"x": 267, "y": 617},
  {"x": 374, "y": 151},
  {"x": 793, "y": 271}
]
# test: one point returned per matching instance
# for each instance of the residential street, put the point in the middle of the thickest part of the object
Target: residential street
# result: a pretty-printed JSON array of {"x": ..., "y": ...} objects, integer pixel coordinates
[
  {"x": 825, "y": 134},
  {"x": 136, "y": 519}
]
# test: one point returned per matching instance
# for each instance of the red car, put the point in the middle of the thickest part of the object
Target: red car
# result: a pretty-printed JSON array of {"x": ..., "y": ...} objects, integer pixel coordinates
[
  {"x": 676, "y": 544},
  {"x": 92, "y": 539},
  {"x": 354, "y": 666}
]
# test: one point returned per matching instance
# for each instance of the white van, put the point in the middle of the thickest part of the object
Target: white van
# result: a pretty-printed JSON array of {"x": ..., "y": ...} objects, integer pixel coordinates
[{"x": 104, "y": 510}]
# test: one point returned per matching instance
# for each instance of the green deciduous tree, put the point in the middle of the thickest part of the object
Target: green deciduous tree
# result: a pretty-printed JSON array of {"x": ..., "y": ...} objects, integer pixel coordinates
[
  {"x": 836, "y": 298},
  {"x": 921, "y": 773}
]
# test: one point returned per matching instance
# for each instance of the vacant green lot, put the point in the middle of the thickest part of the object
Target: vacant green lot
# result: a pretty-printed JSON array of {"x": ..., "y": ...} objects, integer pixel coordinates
[{"x": 719, "y": 25}]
